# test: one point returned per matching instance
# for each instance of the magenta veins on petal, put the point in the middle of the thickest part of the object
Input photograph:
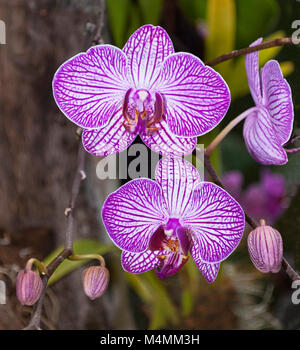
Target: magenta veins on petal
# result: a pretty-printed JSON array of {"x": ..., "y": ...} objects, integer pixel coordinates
[
  {"x": 157, "y": 224},
  {"x": 145, "y": 89}
]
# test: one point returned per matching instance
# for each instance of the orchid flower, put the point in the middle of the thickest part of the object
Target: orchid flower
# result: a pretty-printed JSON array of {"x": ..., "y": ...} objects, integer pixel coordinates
[
  {"x": 145, "y": 89},
  {"x": 157, "y": 223},
  {"x": 269, "y": 127}
]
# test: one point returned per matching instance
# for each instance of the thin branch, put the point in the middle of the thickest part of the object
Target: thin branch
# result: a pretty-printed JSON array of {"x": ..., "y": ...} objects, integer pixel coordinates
[
  {"x": 35, "y": 320},
  {"x": 293, "y": 275},
  {"x": 266, "y": 45}
]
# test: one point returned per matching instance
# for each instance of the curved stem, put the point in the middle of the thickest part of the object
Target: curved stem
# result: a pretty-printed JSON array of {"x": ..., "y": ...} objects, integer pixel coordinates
[
  {"x": 39, "y": 264},
  {"x": 244, "y": 51},
  {"x": 209, "y": 149},
  {"x": 88, "y": 257}
]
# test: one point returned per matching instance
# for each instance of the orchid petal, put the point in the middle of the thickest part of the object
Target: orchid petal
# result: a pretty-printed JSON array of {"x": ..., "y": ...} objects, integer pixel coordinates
[
  {"x": 164, "y": 142},
  {"x": 90, "y": 86},
  {"x": 278, "y": 100},
  {"x": 133, "y": 213},
  {"x": 216, "y": 220},
  {"x": 177, "y": 178},
  {"x": 196, "y": 97},
  {"x": 139, "y": 262},
  {"x": 110, "y": 139},
  {"x": 209, "y": 271},
  {"x": 146, "y": 49},
  {"x": 252, "y": 69},
  {"x": 261, "y": 139}
]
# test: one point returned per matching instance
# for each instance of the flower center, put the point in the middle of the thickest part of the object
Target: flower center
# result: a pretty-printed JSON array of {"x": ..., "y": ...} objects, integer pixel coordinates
[
  {"x": 142, "y": 111},
  {"x": 173, "y": 242}
]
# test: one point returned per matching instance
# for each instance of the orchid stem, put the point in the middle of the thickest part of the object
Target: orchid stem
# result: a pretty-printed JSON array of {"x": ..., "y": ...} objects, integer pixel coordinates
[
  {"x": 39, "y": 264},
  {"x": 209, "y": 149},
  {"x": 292, "y": 150},
  {"x": 88, "y": 256}
]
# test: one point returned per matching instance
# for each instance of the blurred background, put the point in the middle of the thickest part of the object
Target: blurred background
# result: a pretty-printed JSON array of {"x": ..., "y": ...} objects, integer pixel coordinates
[{"x": 38, "y": 148}]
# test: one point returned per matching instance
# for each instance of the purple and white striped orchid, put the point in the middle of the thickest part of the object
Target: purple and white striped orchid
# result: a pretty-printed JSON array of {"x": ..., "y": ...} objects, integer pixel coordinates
[
  {"x": 157, "y": 223},
  {"x": 270, "y": 125},
  {"x": 145, "y": 89}
]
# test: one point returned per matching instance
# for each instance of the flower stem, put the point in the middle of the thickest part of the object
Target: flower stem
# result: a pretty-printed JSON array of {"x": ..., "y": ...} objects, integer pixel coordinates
[
  {"x": 209, "y": 149},
  {"x": 292, "y": 150},
  {"x": 246, "y": 50},
  {"x": 39, "y": 264},
  {"x": 88, "y": 256}
]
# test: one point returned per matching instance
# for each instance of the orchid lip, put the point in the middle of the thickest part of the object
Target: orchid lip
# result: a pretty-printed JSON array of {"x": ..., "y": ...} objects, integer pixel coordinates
[
  {"x": 174, "y": 243},
  {"x": 142, "y": 111}
]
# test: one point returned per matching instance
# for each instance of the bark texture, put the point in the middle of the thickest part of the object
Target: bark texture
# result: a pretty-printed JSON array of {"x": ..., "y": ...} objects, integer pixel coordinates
[{"x": 38, "y": 150}]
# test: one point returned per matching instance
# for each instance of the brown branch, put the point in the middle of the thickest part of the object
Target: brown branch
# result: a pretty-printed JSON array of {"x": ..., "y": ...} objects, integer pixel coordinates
[
  {"x": 265, "y": 45},
  {"x": 35, "y": 320},
  {"x": 293, "y": 275}
]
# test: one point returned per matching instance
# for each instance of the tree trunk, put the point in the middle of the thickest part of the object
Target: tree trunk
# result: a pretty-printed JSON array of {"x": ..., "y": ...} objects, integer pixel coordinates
[{"x": 38, "y": 149}]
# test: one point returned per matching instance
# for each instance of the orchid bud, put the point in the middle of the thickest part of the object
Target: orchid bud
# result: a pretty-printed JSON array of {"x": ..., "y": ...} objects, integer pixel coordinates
[
  {"x": 95, "y": 281},
  {"x": 265, "y": 248},
  {"x": 29, "y": 287}
]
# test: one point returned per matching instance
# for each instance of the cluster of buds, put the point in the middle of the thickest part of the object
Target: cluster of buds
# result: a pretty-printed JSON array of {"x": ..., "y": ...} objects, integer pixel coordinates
[
  {"x": 265, "y": 248},
  {"x": 29, "y": 284}
]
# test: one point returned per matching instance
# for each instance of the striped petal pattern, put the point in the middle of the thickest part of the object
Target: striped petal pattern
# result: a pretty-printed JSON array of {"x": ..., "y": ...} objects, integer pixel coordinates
[
  {"x": 177, "y": 178},
  {"x": 145, "y": 50},
  {"x": 216, "y": 220},
  {"x": 209, "y": 271},
  {"x": 112, "y": 138},
  {"x": 139, "y": 262},
  {"x": 197, "y": 98},
  {"x": 265, "y": 249},
  {"x": 133, "y": 213},
  {"x": 252, "y": 70},
  {"x": 278, "y": 101},
  {"x": 89, "y": 87},
  {"x": 166, "y": 143},
  {"x": 261, "y": 139}
]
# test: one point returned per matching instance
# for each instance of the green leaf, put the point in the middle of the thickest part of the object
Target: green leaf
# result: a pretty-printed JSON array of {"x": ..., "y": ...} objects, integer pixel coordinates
[
  {"x": 152, "y": 291},
  {"x": 82, "y": 246},
  {"x": 118, "y": 14},
  {"x": 151, "y": 10},
  {"x": 221, "y": 31}
]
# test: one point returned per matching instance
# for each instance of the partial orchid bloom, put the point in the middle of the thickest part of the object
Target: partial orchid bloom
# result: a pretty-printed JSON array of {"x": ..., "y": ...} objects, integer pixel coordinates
[
  {"x": 268, "y": 125},
  {"x": 145, "y": 89},
  {"x": 158, "y": 223}
]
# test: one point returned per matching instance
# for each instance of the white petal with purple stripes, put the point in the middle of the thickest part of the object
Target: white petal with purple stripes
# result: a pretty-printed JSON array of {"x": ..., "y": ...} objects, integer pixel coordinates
[
  {"x": 196, "y": 97},
  {"x": 166, "y": 143},
  {"x": 277, "y": 98},
  {"x": 216, "y": 220},
  {"x": 133, "y": 213},
  {"x": 209, "y": 271},
  {"x": 261, "y": 139},
  {"x": 139, "y": 262},
  {"x": 90, "y": 86},
  {"x": 178, "y": 178},
  {"x": 110, "y": 139},
  {"x": 146, "y": 49},
  {"x": 252, "y": 69}
]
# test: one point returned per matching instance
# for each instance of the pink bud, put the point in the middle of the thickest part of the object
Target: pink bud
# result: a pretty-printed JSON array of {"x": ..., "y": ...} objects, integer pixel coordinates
[
  {"x": 265, "y": 248},
  {"x": 95, "y": 281},
  {"x": 29, "y": 287}
]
